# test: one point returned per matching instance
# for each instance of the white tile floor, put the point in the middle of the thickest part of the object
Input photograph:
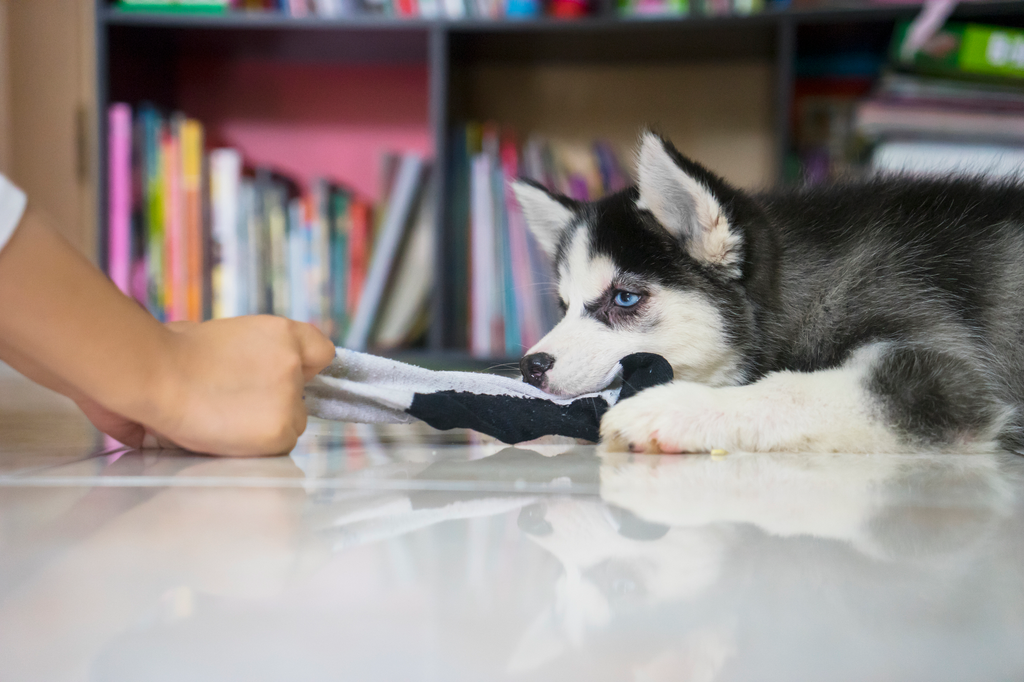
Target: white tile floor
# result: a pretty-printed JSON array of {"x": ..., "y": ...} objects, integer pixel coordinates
[{"x": 403, "y": 554}]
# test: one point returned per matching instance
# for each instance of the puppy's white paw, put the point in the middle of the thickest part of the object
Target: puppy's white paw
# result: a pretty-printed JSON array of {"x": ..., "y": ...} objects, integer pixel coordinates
[{"x": 680, "y": 417}]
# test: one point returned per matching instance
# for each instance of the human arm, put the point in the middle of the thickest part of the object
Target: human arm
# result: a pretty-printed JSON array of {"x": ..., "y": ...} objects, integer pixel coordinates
[{"x": 231, "y": 387}]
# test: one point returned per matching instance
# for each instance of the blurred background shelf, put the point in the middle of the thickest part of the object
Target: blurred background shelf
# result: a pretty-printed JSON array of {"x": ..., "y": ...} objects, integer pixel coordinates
[{"x": 721, "y": 87}]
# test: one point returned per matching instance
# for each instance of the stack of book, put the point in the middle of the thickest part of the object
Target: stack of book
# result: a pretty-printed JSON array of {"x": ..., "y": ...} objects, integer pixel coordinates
[
  {"x": 957, "y": 105},
  {"x": 195, "y": 235},
  {"x": 826, "y": 91},
  {"x": 157, "y": 250},
  {"x": 503, "y": 280}
]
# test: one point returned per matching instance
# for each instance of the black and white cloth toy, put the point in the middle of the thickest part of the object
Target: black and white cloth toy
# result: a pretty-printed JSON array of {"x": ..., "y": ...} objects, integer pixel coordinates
[{"x": 358, "y": 387}]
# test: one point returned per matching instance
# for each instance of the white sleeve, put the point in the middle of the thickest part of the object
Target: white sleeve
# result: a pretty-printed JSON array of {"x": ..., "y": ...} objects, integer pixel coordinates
[{"x": 12, "y": 206}]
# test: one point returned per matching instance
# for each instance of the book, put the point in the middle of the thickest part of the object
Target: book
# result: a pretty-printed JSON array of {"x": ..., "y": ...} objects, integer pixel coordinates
[
  {"x": 875, "y": 118},
  {"x": 653, "y": 8},
  {"x": 119, "y": 254},
  {"x": 360, "y": 238},
  {"x": 192, "y": 219},
  {"x": 942, "y": 159},
  {"x": 511, "y": 285},
  {"x": 180, "y": 6},
  {"x": 318, "y": 210},
  {"x": 253, "y": 250},
  {"x": 399, "y": 211},
  {"x": 333, "y": 9},
  {"x": 508, "y": 302},
  {"x": 226, "y": 232},
  {"x": 298, "y": 8},
  {"x": 341, "y": 228},
  {"x": 529, "y": 322},
  {"x": 483, "y": 266},
  {"x": 153, "y": 210},
  {"x": 964, "y": 50},
  {"x": 949, "y": 92},
  {"x": 298, "y": 247},
  {"x": 407, "y": 301},
  {"x": 454, "y": 9},
  {"x": 430, "y": 9},
  {"x": 139, "y": 275},
  {"x": 458, "y": 249},
  {"x": 406, "y": 8},
  {"x": 196, "y": 235},
  {"x": 273, "y": 194},
  {"x": 175, "y": 265}
]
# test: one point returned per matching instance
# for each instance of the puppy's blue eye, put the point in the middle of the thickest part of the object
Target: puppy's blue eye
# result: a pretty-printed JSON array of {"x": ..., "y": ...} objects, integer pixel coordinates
[{"x": 626, "y": 299}]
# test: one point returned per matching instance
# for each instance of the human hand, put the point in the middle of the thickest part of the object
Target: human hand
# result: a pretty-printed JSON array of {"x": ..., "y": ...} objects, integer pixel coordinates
[
  {"x": 234, "y": 386},
  {"x": 121, "y": 429}
]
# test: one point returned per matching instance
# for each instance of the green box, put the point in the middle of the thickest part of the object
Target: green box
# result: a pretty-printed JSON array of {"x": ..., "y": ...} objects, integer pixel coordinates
[
  {"x": 992, "y": 50},
  {"x": 966, "y": 50}
]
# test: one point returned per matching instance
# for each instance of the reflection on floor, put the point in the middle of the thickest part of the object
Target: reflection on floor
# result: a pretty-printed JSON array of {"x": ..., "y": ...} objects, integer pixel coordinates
[{"x": 406, "y": 554}]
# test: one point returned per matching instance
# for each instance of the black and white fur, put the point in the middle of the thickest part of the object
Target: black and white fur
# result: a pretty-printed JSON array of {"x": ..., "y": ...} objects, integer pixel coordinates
[{"x": 883, "y": 316}]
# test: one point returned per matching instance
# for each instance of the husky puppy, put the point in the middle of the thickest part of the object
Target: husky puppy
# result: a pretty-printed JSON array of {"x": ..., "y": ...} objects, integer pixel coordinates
[{"x": 883, "y": 316}]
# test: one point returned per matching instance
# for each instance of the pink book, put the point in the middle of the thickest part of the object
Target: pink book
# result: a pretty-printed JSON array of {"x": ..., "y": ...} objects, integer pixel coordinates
[
  {"x": 119, "y": 211},
  {"x": 522, "y": 273}
]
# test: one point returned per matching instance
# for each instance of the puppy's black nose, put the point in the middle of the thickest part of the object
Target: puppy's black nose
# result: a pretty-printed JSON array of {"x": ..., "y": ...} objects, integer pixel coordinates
[{"x": 534, "y": 366}]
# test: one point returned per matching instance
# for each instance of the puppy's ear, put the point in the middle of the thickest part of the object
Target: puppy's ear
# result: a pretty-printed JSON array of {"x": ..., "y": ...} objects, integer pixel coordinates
[
  {"x": 678, "y": 193},
  {"x": 546, "y": 215}
]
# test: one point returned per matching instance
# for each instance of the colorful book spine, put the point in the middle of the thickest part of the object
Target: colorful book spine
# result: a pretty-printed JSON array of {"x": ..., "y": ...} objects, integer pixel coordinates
[
  {"x": 481, "y": 239},
  {"x": 524, "y": 286},
  {"x": 226, "y": 233},
  {"x": 119, "y": 255},
  {"x": 253, "y": 250},
  {"x": 298, "y": 244},
  {"x": 359, "y": 251},
  {"x": 341, "y": 226},
  {"x": 401, "y": 204},
  {"x": 153, "y": 212},
  {"x": 320, "y": 253},
  {"x": 204, "y": 237},
  {"x": 175, "y": 266},
  {"x": 275, "y": 223},
  {"x": 407, "y": 8},
  {"x": 192, "y": 197},
  {"x": 511, "y": 284},
  {"x": 511, "y": 341}
]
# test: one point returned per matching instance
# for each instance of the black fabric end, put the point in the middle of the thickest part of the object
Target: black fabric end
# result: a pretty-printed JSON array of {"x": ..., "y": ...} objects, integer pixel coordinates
[
  {"x": 510, "y": 419},
  {"x": 643, "y": 370}
]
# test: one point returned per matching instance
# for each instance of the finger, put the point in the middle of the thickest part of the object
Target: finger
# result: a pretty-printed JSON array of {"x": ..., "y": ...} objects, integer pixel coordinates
[
  {"x": 299, "y": 417},
  {"x": 126, "y": 434},
  {"x": 315, "y": 349},
  {"x": 122, "y": 430},
  {"x": 156, "y": 441}
]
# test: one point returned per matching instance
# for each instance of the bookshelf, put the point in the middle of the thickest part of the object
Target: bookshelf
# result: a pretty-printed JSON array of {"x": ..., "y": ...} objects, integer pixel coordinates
[{"x": 451, "y": 70}]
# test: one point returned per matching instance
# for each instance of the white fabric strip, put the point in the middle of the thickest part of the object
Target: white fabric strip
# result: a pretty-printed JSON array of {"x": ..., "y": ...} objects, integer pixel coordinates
[{"x": 358, "y": 387}]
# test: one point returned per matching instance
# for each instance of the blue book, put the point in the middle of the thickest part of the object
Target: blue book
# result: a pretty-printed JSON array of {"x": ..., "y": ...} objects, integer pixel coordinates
[
  {"x": 153, "y": 208},
  {"x": 339, "y": 262},
  {"x": 297, "y": 263}
]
